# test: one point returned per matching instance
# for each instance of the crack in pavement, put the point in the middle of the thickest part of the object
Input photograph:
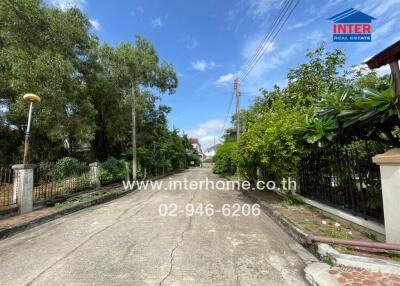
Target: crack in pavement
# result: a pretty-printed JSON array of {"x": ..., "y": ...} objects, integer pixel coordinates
[
  {"x": 179, "y": 243},
  {"x": 236, "y": 271},
  {"x": 117, "y": 220}
]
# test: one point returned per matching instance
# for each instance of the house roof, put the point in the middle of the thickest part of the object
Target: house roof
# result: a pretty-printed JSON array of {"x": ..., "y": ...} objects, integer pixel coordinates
[
  {"x": 194, "y": 141},
  {"x": 352, "y": 16},
  {"x": 387, "y": 56}
]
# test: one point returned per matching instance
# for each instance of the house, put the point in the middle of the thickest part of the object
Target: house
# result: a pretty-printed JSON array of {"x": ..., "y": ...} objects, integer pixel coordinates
[
  {"x": 197, "y": 146},
  {"x": 210, "y": 152}
]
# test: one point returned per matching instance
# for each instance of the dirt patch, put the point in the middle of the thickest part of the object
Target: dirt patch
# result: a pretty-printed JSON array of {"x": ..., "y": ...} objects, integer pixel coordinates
[{"x": 313, "y": 221}]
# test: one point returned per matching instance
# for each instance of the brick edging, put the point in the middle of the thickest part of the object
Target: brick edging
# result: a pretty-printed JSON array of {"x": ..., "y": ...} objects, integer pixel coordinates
[{"x": 12, "y": 230}]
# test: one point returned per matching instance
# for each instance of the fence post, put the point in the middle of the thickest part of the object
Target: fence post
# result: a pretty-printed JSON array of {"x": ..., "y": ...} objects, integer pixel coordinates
[
  {"x": 94, "y": 174},
  {"x": 389, "y": 163},
  {"x": 23, "y": 187}
]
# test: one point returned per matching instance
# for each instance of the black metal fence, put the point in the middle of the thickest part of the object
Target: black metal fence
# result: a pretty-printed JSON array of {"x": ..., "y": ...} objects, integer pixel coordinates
[
  {"x": 7, "y": 196},
  {"x": 51, "y": 183},
  {"x": 344, "y": 179}
]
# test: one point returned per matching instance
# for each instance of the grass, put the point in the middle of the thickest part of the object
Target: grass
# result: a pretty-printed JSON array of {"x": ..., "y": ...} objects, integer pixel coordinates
[
  {"x": 394, "y": 255},
  {"x": 85, "y": 198},
  {"x": 337, "y": 234},
  {"x": 292, "y": 200},
  {"x": 328, "y": 260}
]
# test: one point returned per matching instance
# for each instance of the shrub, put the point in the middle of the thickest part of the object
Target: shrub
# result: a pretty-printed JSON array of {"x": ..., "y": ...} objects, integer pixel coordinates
[
  {"x": 226, "y": 159},
  {"x": 66, "y": 167},
  {"x": 112, "y": 170}
]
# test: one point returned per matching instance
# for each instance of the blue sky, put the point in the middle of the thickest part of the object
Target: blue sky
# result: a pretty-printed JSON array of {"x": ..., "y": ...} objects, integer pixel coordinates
[{"x": 210, "y": 41}]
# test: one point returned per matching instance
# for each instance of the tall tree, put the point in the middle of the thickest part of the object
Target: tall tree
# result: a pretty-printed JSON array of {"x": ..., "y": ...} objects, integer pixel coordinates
[{"x": 139, "y": 66}]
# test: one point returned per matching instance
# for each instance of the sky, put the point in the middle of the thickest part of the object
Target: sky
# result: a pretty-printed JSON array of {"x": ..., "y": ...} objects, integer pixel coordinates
[{"x": 209, "y": 42}]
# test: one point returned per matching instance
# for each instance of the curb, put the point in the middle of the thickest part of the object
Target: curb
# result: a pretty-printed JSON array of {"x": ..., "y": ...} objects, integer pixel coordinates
[
  {"x": 12, "y": 230},
  {"x": 317, "y": 275},
  {"x": 296, "y": 233},
  {"x": 371, "y": 264}
]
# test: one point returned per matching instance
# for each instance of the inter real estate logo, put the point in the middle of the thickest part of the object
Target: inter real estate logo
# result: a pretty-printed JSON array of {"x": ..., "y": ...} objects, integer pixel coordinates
[{"x": 351, "y": 26}]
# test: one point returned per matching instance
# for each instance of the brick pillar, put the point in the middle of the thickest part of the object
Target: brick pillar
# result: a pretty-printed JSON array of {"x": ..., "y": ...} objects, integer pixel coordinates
[
  {"x": 389, "y": 163},
  {"x": 23, "y": 187},
  {"x": 94, "y": 174}
]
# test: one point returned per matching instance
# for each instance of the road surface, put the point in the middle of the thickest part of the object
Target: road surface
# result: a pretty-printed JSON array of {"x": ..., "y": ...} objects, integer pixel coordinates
[{"x": 128, "y": 242}]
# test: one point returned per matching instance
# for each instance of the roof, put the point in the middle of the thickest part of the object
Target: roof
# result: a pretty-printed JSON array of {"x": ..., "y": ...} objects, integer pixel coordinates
[
  {"x": 352, "y": 16},
  {"x": 194, "y": 141},
  {"x": 387, "y": 56}
]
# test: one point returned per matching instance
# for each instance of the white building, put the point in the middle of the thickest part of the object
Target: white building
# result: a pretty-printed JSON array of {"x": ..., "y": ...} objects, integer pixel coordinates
[
  {"x": 196, "y": 145},
  {"x": 210, "y": 152}
]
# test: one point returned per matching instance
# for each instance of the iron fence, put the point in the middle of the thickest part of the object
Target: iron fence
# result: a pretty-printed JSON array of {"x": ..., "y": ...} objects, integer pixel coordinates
[
  {"x": 52, "y": 183},
  {"x": 7, "y": 196},
  {"x": 344, "y": 179}
]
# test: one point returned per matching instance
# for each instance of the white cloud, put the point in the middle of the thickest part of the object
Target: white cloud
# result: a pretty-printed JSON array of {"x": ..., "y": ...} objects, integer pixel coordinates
[
  {"x": 301, "y": 24},
  {"x": 67, "y": 4},
  {"x": 207, "y": 132},
  {"x": 202, "y": 65},
  {"x": 267, "y": 63},
  {"x": 378, "y": 8},
  {"x": 189, "y": 42},
  {"x": 95, "y": 23},
  {"x": 156, "y": 23},
  {"x": 137, "y": 11},
  {"x": 364, "y": 69},
  {"x": 386, "y": 28},
  {"x": 383, "y": 70},
  {"x": 251, "y": 47},
  {"x": 225, "y": 79},
  {"x": 258, "y": 8}
]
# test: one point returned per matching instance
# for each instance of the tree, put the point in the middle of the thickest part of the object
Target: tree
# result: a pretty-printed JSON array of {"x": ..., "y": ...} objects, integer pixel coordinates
[
  {"x": 139, "y": 66},
  {"x": 45, "y": 50}
]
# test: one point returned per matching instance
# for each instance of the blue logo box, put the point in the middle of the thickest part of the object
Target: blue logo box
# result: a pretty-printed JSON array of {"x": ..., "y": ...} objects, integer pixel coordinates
[{"x": 352, "y": 37}]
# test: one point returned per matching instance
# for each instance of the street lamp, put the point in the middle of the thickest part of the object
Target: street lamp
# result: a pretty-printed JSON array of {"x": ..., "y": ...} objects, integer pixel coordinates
[{"x": 31, "y": 99}]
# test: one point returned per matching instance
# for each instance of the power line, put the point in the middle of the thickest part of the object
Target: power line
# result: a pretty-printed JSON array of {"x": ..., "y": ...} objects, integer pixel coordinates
[
  {"x": 274, "y": 32},
  {"x": 276, "y": 26},
  {"x": 267, "y": 35}
]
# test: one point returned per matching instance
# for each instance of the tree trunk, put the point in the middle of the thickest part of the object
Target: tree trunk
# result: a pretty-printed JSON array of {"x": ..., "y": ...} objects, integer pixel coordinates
[{"x": 133, "y": 133}]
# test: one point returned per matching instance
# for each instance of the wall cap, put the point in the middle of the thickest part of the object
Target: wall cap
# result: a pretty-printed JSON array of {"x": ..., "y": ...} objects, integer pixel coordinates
[
  {"x": 23, "y": 166},
  {"x": 391, "y": 157}
]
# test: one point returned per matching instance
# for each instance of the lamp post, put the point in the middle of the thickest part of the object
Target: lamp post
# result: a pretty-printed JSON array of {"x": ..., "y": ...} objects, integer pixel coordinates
[{"x": 31, "y": 99}]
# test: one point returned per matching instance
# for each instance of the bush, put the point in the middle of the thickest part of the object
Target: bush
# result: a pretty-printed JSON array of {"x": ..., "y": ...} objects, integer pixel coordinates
[
  {"x": 112, "y": 170},
  {"x": 66, "y": 167},
  {"x": 226, "y": 159}
]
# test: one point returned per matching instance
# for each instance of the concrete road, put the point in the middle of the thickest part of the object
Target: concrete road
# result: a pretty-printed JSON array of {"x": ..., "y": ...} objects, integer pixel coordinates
[{"x": 127, "y": 242}]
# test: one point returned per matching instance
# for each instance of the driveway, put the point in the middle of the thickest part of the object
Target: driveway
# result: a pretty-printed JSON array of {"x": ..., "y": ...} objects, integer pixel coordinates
[{"x": 128, "y": 242}]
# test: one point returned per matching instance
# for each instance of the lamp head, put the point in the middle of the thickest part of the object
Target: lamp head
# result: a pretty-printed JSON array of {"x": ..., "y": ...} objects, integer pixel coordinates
[{"x": 30, "y": 97}]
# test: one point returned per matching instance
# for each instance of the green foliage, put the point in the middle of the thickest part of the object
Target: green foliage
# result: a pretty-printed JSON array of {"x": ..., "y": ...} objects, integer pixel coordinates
[
  {"x": 292, "y": 200},
  {"x": 112, "y": 170},
  {"x": 395, "y": 255},
  {"x": 226, "y": 159},
  {"x": 322, "y": 105},
  {"x": 270, "y": 141},
  {"x": 65, "y": 168},
  {"x": 328, "y": 260},
  {"x": 337, "y": 234},
  {"x": 85, "y": 88}
]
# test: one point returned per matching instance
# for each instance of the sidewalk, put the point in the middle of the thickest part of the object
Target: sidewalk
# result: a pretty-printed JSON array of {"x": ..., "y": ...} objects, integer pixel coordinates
[
  {"x": 359, "y": 277},
  {"x": 18, "y": 219},
  {"x": 290, "y": 218}
]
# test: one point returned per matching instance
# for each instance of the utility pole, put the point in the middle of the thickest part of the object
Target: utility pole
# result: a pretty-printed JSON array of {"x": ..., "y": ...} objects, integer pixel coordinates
[
  {"x": 237, "y": 93},
  {"x": 133, "y": 133}
]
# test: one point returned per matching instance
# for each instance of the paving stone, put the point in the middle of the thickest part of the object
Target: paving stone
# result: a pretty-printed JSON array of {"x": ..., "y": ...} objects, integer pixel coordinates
[{"x": 359, "y": 277}]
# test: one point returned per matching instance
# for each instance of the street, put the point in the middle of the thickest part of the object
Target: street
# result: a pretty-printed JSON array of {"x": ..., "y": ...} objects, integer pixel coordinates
[{"x": 127, "y": 242}]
